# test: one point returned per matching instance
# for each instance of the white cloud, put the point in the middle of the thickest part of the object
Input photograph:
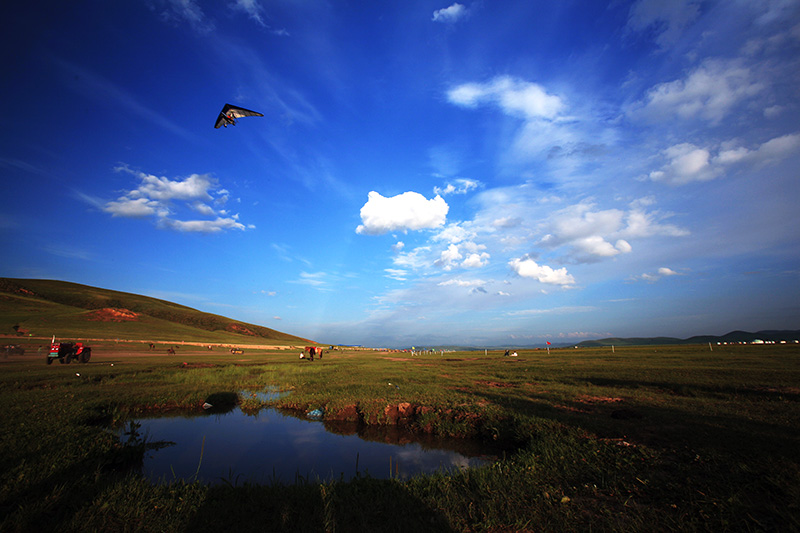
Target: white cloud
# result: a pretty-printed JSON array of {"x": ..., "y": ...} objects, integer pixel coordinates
[
  {"x": 203, "y": 209},
  {"x": 448, "y": 258},
  {"x": 396, "y": 273},
  {"x": 595, "y": 245},
  {"x": 155, "y": 196},
  {"x": 662, "y": 272},
  {"x": 688, "y": 163},
  {"x": 201, "y": 226},
  {"x": 772, "y": 150},
  {"x": 314, "y": 279},
  {"x": 476, "y": 260},
  {"x": 711, "y": 91},
  {"x": 462, "y": 282},
  {"x": 449, "y": 14},
  {"x": 588, "y": 233},
  {"x": 454, "y": 233},
  {"x": 513, "y": 96},
  {"x": 251, "y": 7},
  {"x": 415, "y": 259},
  {"x": 407, "y": 211},
  {"x": 528, "y": 268},
  {"x": 457, "y": 186},
  {"x": 189, "y": 11},
  {"x": 132, "y": 207}
]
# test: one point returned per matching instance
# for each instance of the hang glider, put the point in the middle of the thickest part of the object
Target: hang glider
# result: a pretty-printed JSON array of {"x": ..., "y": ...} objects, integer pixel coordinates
[{"x": 230, "y": 113}]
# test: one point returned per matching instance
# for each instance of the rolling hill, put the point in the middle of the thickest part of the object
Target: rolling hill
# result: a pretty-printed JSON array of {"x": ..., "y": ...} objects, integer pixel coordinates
[
  {"x": 733, "y": 337},
  {"x": 70, "y": 310}
]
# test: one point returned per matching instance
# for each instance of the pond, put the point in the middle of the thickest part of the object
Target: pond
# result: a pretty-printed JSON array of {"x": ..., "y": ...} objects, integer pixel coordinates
[{"x": 271, "y": 446}]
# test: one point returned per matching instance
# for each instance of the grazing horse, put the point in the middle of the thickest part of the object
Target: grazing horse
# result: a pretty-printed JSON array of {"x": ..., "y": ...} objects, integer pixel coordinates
[{"x": 171, "y": 351}]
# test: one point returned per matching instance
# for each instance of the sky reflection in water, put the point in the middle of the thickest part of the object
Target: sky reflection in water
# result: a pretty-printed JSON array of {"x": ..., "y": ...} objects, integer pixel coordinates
[{"x": 274, "y": 447}]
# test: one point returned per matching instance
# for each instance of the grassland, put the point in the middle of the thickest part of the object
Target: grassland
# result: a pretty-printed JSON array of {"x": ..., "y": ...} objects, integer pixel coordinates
[
  {"x": 641, "y": 439},
  {"x": 42, "y": 308}
]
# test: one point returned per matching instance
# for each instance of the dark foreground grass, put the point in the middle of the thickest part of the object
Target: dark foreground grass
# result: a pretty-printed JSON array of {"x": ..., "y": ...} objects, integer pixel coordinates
[{"x": 640, "y": 439}]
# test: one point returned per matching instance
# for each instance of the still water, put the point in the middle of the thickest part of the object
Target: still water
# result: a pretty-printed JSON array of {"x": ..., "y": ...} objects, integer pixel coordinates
[{"x": 270, "y": 446}]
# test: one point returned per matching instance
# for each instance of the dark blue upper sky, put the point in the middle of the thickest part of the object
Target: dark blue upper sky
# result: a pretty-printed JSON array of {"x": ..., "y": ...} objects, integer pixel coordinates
[{"x": 504, "y": 172}]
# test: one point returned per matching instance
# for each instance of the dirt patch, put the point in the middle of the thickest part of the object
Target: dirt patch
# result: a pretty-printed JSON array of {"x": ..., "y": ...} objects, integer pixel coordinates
[
  {"x": 197, "y": 365},
  {"x": 111, "y": 314},
  {"x": 591, "y": 400},
  {"x": 497, "y": 384},
  {"x": 238, "y": 328},
  {"x": 571, "y": 409}
]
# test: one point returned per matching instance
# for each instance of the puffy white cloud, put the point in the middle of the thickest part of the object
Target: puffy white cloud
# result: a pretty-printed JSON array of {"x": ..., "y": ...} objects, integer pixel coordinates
[
  {"x": 449, "y": 257},
  {"x": 475, "y": 260},
  {"x": 132, "y": 207},
  {"x": 407, "y": 211},
  {"x": 687, "y": 163},
  {"x": 195, "y": 187},
  {"x": 595, "y": 245},
  {"x": 589, "y": 233},
  {"x": 449, "y": 14},
  {"x": 154, "y": 197},
  {"x": 513, "y": 96},
  {"x": 528, "y": 268}
]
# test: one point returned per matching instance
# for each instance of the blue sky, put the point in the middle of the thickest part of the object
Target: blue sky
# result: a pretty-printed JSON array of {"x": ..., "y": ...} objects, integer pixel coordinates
[{"x": 486, "y": 173}]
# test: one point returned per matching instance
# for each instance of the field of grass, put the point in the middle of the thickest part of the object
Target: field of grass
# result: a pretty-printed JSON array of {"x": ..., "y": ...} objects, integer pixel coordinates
[
  {"x": 676, "y": 438},
  {"x": 43, "y": 308}
]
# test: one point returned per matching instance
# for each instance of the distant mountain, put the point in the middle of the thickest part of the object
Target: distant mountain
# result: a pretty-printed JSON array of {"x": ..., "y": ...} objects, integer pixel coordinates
[
  {"x": 733, "y": 336},
  {"x": 70, "y": 310}
]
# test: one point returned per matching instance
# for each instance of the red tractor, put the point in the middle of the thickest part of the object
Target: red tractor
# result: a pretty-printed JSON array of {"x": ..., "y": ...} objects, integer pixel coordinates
[{"x": 65, "y": 352}]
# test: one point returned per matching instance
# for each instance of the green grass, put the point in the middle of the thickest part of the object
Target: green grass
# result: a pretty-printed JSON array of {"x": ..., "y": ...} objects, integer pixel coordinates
[{"x": 656, "y": 438}]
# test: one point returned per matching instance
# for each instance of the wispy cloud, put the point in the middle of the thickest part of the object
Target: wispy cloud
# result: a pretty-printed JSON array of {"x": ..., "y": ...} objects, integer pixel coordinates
[
  {"x": 687, "y": 163},
  {"x": 710, "y": 92},
  {"x": 662, "y": 272},
  {"x": 101, "y": 90},
  {"x": 553, "y": 311},
  {"x": 155, "y": 197},
  {"x": 514, "y": 96},
  {"x": 666, "y": 20},
  {"x": 457, "y": 186}
]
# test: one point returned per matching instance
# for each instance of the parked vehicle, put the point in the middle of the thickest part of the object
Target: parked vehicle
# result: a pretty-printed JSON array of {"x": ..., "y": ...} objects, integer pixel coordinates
[
  {"x": 14, "y": 349},
  {"x": 65, "y": 352}
]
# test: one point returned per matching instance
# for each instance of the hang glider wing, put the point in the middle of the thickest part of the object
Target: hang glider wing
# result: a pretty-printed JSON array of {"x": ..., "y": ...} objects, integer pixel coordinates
[{"x": 230, "y": 113}]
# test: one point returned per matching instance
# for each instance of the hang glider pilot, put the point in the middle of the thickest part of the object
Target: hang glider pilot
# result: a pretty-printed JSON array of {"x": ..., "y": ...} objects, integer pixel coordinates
[{"x": 230, "y": 113}]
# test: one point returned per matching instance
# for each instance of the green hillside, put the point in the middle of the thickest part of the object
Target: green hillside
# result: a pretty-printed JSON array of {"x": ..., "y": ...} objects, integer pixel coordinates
[{"x": 69, "y": 310}]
